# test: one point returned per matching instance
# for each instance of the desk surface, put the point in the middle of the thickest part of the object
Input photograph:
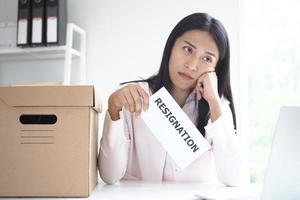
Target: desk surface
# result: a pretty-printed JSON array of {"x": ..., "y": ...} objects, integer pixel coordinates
[{"x": 163, "y": 191}]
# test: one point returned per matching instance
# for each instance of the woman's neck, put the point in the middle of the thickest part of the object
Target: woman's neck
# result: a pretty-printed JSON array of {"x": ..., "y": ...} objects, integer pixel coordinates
[{"x": 180, "y": 96}]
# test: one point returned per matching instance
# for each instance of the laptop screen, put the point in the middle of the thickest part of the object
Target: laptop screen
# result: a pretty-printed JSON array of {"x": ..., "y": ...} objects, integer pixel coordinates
[{"x": 282, "y": 180}]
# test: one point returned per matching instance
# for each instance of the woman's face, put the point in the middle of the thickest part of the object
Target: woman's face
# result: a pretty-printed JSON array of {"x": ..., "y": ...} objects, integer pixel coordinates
[{"x": 193, "y": 53}]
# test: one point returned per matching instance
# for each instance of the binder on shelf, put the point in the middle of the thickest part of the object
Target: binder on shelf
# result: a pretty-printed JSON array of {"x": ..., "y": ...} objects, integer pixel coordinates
[
  {"x": 56, "y": 22},
  {"x": 38, "y": 22},
  {"x": 24, "y": 23}
]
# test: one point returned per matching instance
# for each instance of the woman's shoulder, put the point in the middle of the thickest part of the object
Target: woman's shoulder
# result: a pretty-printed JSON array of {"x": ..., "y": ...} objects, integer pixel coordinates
[
  {"x": 142, "y": 84},
  {"x": 225, "y": 101},
  {"x": 145, "y": 86}
]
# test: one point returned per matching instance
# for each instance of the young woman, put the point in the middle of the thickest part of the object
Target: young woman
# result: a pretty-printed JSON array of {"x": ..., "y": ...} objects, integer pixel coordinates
[{"x": 195, "y": 71}]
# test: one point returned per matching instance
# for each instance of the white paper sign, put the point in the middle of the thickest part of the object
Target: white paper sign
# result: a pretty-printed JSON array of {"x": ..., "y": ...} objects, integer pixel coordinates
[{"x": 174, "y": 130}]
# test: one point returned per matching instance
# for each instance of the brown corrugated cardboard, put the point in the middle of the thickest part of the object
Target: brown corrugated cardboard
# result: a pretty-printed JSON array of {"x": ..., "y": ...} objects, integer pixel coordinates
[{"x": 48, "y": 141}]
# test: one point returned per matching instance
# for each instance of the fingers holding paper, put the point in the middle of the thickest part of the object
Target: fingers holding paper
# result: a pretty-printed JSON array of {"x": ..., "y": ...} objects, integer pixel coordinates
[{"x": 132, "y": 96}]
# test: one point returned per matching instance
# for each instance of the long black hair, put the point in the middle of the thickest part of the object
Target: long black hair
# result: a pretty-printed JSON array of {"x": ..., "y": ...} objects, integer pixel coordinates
[{"x": 204, "y": 22}]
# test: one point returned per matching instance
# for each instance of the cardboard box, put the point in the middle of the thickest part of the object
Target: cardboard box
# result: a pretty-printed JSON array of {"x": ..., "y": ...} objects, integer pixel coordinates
[{"x": 48, "y": 141}]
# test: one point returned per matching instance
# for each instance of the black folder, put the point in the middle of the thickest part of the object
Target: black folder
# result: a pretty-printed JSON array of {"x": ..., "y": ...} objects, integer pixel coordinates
[
  {"x": 24, "y": 23},
  {"x": 38, "y": 22},
  {"x": 56, "y": 22}
]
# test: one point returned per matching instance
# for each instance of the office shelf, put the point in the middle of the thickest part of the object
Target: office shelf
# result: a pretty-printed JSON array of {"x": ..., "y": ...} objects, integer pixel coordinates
[
  {"x": 66, "y": 52},
  {"x": 16, "y": 54}
]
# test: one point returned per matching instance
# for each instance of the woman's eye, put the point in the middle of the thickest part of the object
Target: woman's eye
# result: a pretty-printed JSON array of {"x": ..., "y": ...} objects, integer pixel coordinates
[
  {"x": 207, "y": 59},
  {"x": 189, "y": 50}
]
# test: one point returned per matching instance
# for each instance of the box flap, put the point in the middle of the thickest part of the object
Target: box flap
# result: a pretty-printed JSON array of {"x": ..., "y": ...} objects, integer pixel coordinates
[{"x": 17, "y": 96}]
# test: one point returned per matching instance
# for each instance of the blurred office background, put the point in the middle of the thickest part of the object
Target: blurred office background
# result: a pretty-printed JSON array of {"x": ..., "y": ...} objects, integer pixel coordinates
[{"x": 125, "y": 40}]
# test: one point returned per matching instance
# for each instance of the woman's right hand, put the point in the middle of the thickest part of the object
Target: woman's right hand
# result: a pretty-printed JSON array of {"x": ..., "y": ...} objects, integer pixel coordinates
[{"x": 132, "y": 96}]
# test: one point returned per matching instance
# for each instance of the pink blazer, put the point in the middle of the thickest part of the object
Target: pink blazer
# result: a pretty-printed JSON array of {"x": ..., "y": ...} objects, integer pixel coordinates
[{"x": 128, "y": 150}]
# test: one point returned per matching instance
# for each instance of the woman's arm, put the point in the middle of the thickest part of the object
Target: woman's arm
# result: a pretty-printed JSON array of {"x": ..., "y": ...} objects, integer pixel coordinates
[
  {"x": 230, "y": 158},
  {"x": 115, "y": 140},
  {"x": 113, "y": 153}
]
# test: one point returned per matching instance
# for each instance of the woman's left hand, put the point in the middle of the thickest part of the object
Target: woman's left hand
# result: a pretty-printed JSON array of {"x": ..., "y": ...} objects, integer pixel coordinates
[{"x": 207, "y": 87}]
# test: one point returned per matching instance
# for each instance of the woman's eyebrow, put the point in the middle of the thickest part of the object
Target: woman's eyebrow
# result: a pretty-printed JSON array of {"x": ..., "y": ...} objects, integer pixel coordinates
[
  {"x": 190, "y": 44},
  {"x": 210, "y": 53},
  {"x": 194, "y": 46}
]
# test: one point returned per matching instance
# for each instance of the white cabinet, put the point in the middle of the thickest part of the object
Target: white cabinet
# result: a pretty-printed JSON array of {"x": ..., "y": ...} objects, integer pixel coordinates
[{"x": 67, "y": 52}]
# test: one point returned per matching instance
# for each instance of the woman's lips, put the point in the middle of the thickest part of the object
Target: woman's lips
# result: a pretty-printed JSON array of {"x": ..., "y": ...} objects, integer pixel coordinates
[{"x": 185, "y": 76}]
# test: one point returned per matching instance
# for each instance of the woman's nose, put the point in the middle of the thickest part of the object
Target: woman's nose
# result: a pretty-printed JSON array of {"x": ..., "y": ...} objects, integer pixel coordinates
[{"x": 192, "y": 64}]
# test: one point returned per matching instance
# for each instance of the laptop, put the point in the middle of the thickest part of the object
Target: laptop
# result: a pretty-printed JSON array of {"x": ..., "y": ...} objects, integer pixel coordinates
[{"x": 282, "y": 179}]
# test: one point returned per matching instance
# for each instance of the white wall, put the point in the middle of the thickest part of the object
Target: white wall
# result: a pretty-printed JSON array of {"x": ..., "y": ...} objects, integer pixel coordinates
[{"x": 126, "y": 38}]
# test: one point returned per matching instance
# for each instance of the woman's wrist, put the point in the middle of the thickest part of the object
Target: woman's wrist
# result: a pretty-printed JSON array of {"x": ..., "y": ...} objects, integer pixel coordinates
[{"x": 215, "y": 108}]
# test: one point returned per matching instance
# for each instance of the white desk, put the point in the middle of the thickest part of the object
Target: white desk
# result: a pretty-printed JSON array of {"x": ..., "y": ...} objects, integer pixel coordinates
[{"x": 165, "y": 191}]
